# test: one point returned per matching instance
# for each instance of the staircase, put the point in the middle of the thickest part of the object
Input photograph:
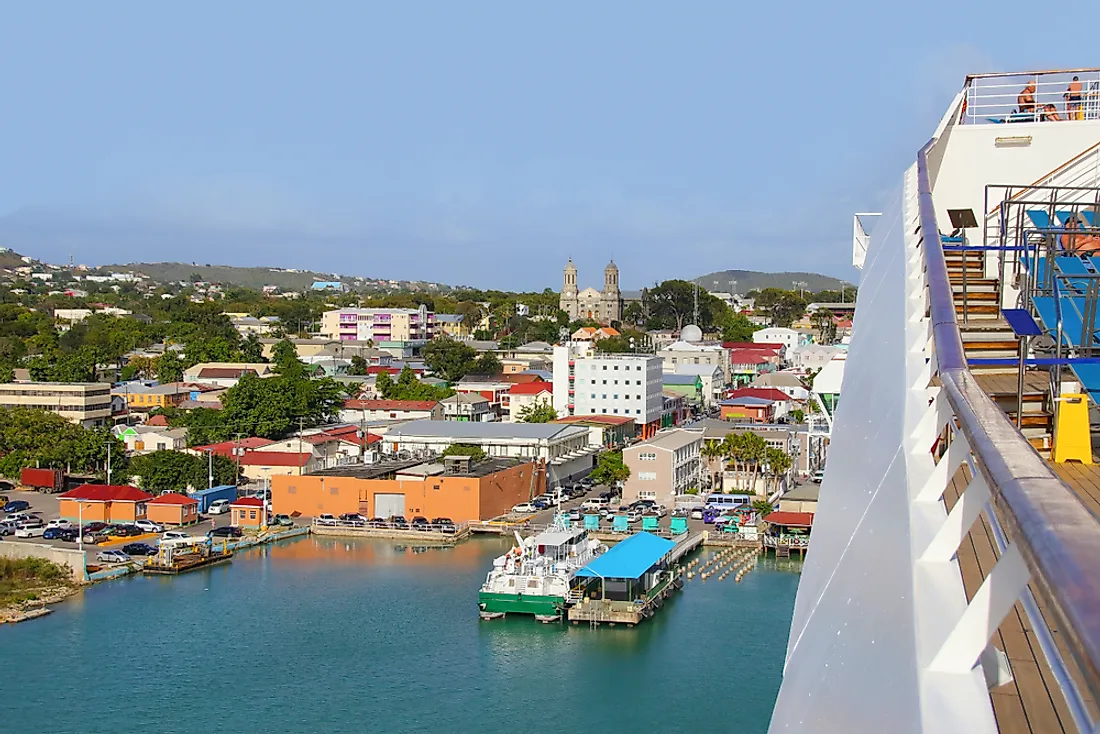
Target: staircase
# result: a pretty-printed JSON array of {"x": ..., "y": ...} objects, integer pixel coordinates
[{"x": 985, "y": 335}]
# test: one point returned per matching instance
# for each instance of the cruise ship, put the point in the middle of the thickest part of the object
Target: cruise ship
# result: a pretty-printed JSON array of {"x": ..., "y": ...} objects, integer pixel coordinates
[{"x": 953, "y": 584}]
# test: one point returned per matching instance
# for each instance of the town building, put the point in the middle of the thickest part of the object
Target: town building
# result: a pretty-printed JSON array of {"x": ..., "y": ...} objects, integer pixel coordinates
[
  {"x": 604, "y": 307},
  {"x": 564, "y": 449},
  {"x": 802, "y": 498},
  {"x": 592, "y": 333},
  {"x": 261, "y": 466},
  {"x": 808, "y": 357},
  {"x": 85, "y": 403},
  {"x": 456, "y": 488},
  {"x": 789, "y": 338},
  {"x": 689, "y": 387},
  {"x": 379, "y": 324},
  {"x": 146, "y": 439},
  {"x": 782, "y": 404},
  {"x": 172, "y": 509},
  {"x": 786, "y": 382},
  {"x": 748, "y": 408},
  {"x": 226, "y": 374},
  {"x": 104, "y": 503},
  {"x": 590, "y": 383},
  {"x": 247, "y": 325},
  {"x": 604, "y": 431},
  {"x": 248, "y": 512},
  {"x": 372, "y": 410},
  {"x": 682, "y": 352},
  {"x": 711, "y": 377},
  {"x": 452, "y": 325},
  {"x": 664, "y": 466},
  {"x": 747, "y": 364},
  {"x": 467, "y": 407},
  {"x": 525, "y": 395},
  {"x": 151, "y": 397}
]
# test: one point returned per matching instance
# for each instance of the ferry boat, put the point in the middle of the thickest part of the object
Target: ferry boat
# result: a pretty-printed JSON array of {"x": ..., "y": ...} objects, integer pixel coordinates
[{"x": 538, "y": 574}]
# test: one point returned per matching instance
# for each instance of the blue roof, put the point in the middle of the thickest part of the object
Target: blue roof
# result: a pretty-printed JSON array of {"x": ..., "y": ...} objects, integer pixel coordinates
[
  {"x": 671, "y": 378},
  {"x": 629, "y": 559}
]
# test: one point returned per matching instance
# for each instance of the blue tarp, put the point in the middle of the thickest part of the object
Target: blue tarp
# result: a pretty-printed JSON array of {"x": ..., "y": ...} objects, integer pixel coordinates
[{"x": 629, "y": 559}]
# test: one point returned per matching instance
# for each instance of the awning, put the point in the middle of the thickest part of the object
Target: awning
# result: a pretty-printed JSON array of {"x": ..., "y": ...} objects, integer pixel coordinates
[{"x": 629, "y": 559}]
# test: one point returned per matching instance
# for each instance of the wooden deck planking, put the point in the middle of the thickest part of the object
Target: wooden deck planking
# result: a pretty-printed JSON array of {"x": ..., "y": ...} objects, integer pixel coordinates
[
  {"x": 1005, "y": 384},
  {"x": 1031, "y": 702},
  {"x": 1085, "y": 481}
]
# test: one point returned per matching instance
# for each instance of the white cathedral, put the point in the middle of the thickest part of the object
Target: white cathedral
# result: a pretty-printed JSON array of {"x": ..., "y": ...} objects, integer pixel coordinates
[{"x": 590, "y": 303}]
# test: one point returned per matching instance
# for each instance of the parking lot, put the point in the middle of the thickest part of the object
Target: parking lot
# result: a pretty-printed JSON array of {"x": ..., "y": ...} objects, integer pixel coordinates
[
  {"x": 545, "y": 517},
  {"x": 47, "y": 507}
]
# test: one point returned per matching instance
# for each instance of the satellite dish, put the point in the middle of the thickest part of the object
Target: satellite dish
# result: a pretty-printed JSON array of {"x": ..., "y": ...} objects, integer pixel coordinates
[{"x": 691, "y": 333}]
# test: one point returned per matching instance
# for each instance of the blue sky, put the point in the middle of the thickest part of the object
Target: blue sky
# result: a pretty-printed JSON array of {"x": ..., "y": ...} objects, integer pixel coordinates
[{"x": 478, "y": 142}]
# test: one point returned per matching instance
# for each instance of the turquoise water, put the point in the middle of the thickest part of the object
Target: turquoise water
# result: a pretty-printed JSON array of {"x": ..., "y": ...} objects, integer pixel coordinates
[{"x": 328, "y": 635}]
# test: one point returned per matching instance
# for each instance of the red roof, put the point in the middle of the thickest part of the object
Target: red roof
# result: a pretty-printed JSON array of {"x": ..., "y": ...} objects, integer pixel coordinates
[
  {"x": 389, "y": 404},
  {"x": 157, "y": 420},
  {"x": 274, "y": 458},
  {"x": 107, "y": 493},
  {"x": 518, "y": 377},
  {"x": 748, "y": 356},
  {"x": 225, "y": 448},
  {"x": 173, "y": 498},
  {"x": 791, "y": 519},
  {"x": 248, "y": 502},
  {"x": 771, "y": 346},
  {"x": 766, "y": 393},
  {"x": 531, "y": 388}
]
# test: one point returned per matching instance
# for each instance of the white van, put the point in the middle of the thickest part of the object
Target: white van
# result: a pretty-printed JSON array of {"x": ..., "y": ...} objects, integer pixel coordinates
[
  {"x": 596, "y": 503},
  {"x": 726, "y": 501},
  {"x": 818, "y": 476}
]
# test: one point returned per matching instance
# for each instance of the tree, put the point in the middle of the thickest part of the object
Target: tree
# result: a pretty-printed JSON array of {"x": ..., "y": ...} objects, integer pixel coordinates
[
  {"x": 610, "y": 468},
  {"x": 487, "y": 364},
  {"x": 511, "y": 341},
  {"x": 285, "y": 356},
  {"x": 671, "y": 305},
  {"x": 540, "y": 412},
  {"x": 782, "y": 307},
  {"x": 448, "y": 359},
  {"x": 777, "y": 463},
  {"x": 251, "y": 349},
  {"x": 798, "y": 415},
  {"x": 737, "y": 328},
  {"x": 358, "y": 366},
  {"x": 384, "y": 386},
  {"x": 763, "y": 508},
  {"x": 464, "y": 449},
  {"x": 170, "y": 367},
  {"x": 408, "y": 387},
  {"x": 32, "y": 437},
  {"x": 176, "y": 471}
]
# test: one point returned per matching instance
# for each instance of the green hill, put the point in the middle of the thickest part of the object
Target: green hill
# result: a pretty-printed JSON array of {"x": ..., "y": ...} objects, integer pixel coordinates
[{"x": 753, "y": 280}]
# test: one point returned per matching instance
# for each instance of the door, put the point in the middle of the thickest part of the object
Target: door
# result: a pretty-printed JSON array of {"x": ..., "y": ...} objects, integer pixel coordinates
[{"x": 389, "y": 504}]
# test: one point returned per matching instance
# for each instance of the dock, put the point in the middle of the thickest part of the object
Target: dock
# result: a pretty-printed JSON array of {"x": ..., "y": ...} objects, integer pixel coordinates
[
  {"x": 613, "y": 611},
  {"x": 184, "y": 562},
  {"x": 414, "y": 537}
]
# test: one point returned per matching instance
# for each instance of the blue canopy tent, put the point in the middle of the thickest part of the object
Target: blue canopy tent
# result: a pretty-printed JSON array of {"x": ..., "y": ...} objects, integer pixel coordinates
[{"x": 625, "y": 569}]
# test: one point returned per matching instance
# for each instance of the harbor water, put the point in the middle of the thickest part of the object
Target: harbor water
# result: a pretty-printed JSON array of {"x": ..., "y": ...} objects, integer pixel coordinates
[{"x": 335, "y": 635}]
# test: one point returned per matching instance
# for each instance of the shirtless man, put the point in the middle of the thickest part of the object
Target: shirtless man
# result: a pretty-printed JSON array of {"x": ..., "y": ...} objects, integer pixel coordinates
[
  {"x": 1073, "y": 100},
  {"x": 1025, "y": 103},
  {"x": 1049, "y": 112}
]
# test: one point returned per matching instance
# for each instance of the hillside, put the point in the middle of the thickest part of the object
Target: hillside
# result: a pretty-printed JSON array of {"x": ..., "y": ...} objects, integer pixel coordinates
[
  {"x": 751, "y": 280},
  {"x": 257, "y": 277}
]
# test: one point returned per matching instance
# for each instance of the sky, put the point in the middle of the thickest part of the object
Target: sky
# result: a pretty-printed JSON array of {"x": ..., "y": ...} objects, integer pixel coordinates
[{"x": 480, "y": 143}]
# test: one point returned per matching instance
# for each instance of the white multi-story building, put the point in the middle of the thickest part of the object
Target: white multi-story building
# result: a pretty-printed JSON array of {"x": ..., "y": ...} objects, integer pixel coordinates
[
  {"x": 86, "y": 403},
  {"x": 666, "y": 465},
  {"x": 591, "y": 383},
  {"x": 680, "y": 353},
  {"x": 789, "y": 338},
  {"x": 379, "y": 324}
]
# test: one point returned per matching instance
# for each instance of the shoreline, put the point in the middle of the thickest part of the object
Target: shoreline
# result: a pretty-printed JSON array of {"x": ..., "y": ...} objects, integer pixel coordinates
[{"x": 23, "y": 611}]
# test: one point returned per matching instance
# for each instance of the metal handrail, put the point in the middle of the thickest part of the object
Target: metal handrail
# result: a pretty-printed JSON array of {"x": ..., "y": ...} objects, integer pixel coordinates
[{"x": 1058, "y": 538}]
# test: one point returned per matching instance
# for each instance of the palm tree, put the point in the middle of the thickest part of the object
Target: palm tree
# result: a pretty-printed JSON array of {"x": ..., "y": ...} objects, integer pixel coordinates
[
  {"x": 778, "y": 464},
  {"x": 711, "y": 450},
  {"x": 731, "y": 448},
  {"x": 753, "y": 452}
]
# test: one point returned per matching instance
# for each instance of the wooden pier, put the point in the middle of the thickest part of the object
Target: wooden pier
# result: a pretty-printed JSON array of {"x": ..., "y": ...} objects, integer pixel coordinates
[
  {"x": 413, "y": 537},
  {"x": 611, "y": 612},
  {"x": 184, "y": 562}
]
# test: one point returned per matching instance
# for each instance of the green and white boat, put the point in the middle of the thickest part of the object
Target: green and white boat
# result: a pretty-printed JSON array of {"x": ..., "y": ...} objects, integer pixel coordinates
[{"x": 537, "y": 576}]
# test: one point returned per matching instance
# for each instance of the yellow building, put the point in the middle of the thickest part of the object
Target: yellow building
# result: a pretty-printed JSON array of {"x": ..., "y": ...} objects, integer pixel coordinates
[{"x": 158, "y": 396}]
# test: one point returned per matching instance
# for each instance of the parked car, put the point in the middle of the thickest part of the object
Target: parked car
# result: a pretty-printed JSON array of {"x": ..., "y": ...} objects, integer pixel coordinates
[
  {"x": 226, "y": 531},
  {"x": 7, "y": 527},
  {"x": 575, "y": 514},
  {"x": 94, "y": 527},
  {"x": 30, "y": 529},
  {"x": 633, "y": 516},
  {"x": 148, "y": 526},
  {"x": 525, "y": 508},
  {"x": 378, "y": 522},
  {"x": 112, "y": 556},
  {"x": 540, "y": 504},
  {"x": 60, "y": 522},
  {"x": 399, "y": 522},
  {"x": 817, "y": 476},
  {"x": 218, "y": 507},
  {"x": 54, "y": 533},
  {"x": 443, "y": 524},
  {"x": 16, "y": 506},
  {"x": 282, "y": 520},
  {"x": 179, "y": 537},
  {"x": 20, "y": 517},
  {"x": 354, "y": 519},
  {"x": 123, "y": 530},
  {"x": 593, "y": 504},
  {"x": 420, "y": 523},
  {"x": 69, "y": 535},
  {"x": 327, "y": 520},
  {"x": 655, "y": 511},
  {"x": 95, "y": 538},
  {"x": 139, "y": 549},
  {"x": 175, "y": 535},
  {"x": 4, "y": 499}
]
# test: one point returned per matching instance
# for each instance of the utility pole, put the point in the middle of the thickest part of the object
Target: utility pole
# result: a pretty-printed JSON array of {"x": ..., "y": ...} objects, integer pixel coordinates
[
  {"x": 210, "y": 469},
  {"x": 695, "y": 303},
  {"x": 108, "y": 460},
  {"x": 237, "y": 454},
  {"x": 301, "y": 427}
]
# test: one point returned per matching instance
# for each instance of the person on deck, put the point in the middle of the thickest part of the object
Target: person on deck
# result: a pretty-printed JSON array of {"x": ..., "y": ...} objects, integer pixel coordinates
[
  {"x": 1025, "y": 103},
  {"x": 1049, "y": 112},
  {"x": 1073, "y": 100},
  {"x": 1078, "y": 244}
]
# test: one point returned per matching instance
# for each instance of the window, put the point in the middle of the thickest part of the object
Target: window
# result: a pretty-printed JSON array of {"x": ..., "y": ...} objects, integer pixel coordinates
[
  {"x": 605, "y": 368},
  {"x": 615, "y": 396},
  {"x": 604, "y": 410},
  {"x": 251, "y": 514},
  {"x": 639, "y": 382},
  {"x": 647, "y": 495},
  {"x": 647, "y": 476},
  {"x": 615, "y": 411},
  {"x": 647, "y": 457}
]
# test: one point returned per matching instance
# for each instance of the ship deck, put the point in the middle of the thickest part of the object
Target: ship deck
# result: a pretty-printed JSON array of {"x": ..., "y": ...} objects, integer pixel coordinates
[{"x": 1032, "y": 701}]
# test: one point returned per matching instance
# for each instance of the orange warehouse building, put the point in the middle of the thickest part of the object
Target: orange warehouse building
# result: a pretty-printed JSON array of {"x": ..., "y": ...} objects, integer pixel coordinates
[
  {"x": 458, "y": 489},
  {"x": 173, "y": 509},
  {"x": 104, "y": 503}
]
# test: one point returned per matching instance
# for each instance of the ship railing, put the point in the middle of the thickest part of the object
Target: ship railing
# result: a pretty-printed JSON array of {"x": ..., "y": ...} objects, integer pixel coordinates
[
  {"x": 994, "y": 98},
  {"x": 1048, "y": 541}
]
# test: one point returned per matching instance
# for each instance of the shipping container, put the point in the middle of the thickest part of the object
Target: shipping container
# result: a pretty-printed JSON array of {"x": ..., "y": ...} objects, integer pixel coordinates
[
  {"x": 206, "y": 497},
  {"x": 47, "y": 480}
]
